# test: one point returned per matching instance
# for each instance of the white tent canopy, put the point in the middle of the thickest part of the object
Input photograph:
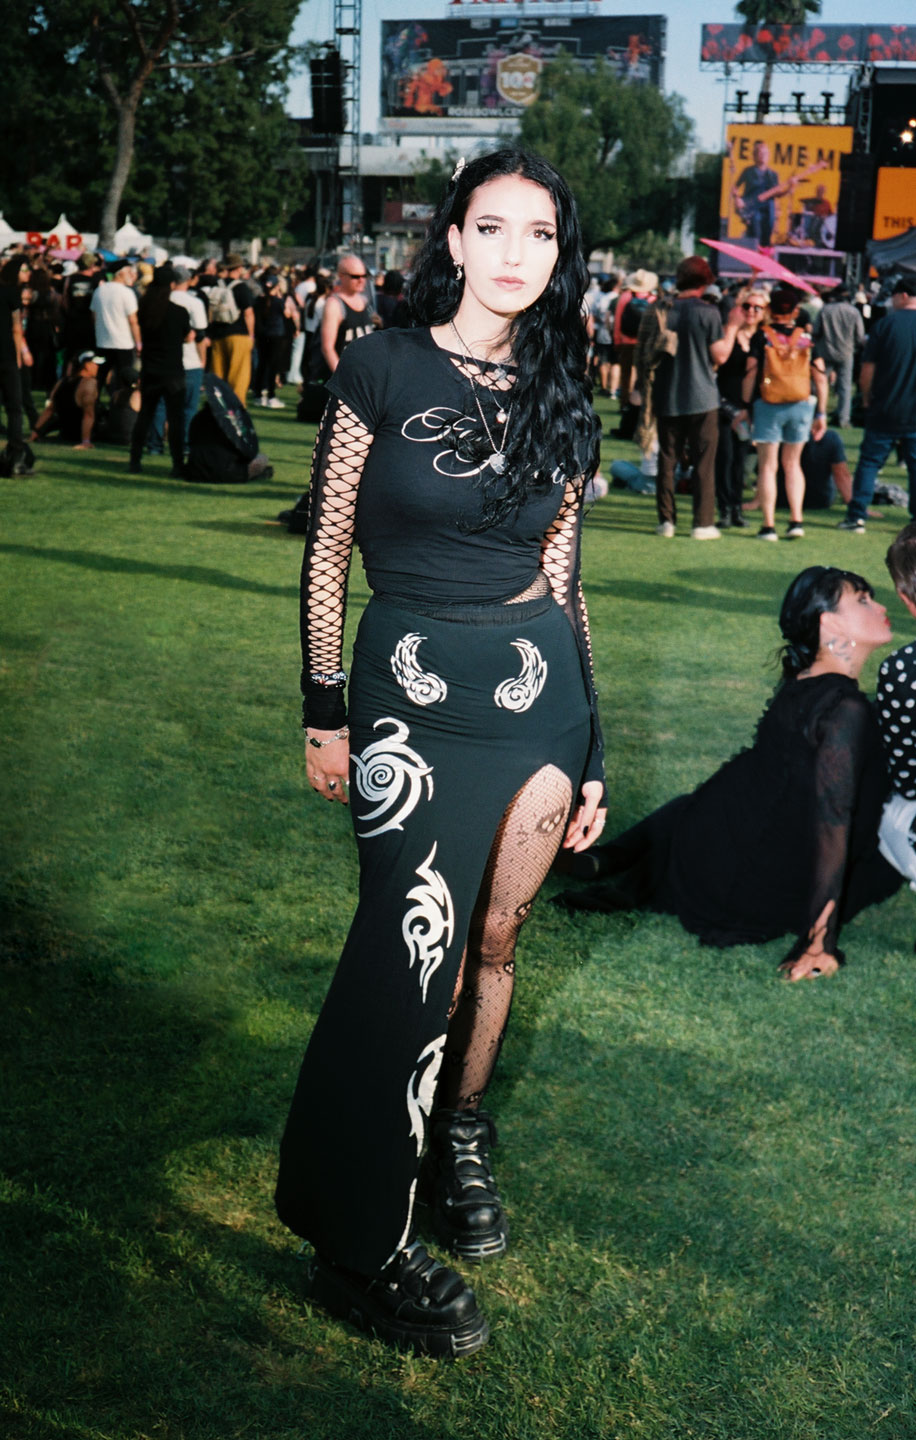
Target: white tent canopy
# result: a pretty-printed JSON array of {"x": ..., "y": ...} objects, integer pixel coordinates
[{"x": 129, "y": 240}]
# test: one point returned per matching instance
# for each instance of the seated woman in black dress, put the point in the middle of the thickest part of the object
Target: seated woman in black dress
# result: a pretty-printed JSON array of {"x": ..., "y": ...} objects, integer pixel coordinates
[{"x": 783, "y": 838}]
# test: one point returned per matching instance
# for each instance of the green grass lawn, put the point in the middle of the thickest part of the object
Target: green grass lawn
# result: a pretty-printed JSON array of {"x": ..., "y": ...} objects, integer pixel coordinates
[{"x": 709, "y": 1173}]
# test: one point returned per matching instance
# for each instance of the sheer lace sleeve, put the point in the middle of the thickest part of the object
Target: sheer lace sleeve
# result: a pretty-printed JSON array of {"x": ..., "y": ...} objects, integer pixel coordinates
[
  {"x": 560, "y": 561},
  {"x": 340, "y": 453},
  {"x": 842, "y": 739}
]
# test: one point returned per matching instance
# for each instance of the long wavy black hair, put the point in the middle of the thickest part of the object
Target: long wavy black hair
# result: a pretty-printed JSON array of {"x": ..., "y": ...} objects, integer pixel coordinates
[
  {"x": 554, "y": 430},
  {"x": 816, "y": 590},
  {"x": 151, "y": 311}
]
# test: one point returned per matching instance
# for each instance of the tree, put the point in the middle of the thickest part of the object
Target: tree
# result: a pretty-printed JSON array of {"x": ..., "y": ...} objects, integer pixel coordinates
[
  {"x": 774, "y": 12},
  {"x": 80, "y": 61},
  {"x": 617, "y": 145}
]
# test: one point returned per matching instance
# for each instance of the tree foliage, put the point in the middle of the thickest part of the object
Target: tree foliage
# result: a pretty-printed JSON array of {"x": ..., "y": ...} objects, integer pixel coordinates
[
  {"x": 173, "y": 111},
  {"x": 616, "y": 143}
]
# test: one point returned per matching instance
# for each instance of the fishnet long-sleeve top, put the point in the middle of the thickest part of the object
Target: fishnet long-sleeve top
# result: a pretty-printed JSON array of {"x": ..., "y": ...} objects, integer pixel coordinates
[{"x": 384, "y": 476}]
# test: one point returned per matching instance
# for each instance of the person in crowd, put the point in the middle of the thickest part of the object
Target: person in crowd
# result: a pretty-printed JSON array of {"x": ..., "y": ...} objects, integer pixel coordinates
[
  {"x": 887, "y": 382},
  {"x": 783, "y": 838},
  {"x": 838, "y": 332},
  {"x": 638, "y": 292},
  {"x": 26, "y": 297},
  {"x": 193, "y": 358},
  {"x": 231, "y": 312},
  {"x": 78, "y": 334},
  {"x": 114, "y": 310},
  {"x": 292, "y": 327},
  {"x": 72, "y": 406},
  {"x": 826, "y": 471},
  {"x": 471, "y": 745},
  {"x": 118, "y": 420},
  {"x": 347, "y": 313},
  {"x": 270, "y": 338},
  {"x": 313, "y": 366},
  {"x": 45, "y": 326},
  {"x": 603, "y": 306},
  {"x": 777, "y": 389},
  {"x": 751, "y": 310},
  {"x": 391, "y": 303},
  {"x": 897, "y": 719},
  {"x": 687, "y": 401},
  {"x": 164, "y": 327},
  {"x": 11, "y": 356}
]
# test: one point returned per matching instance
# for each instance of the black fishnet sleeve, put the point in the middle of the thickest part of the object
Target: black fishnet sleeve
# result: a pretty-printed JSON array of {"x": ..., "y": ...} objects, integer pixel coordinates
[
  {"x": 340, "y": 453},
  {"x": 560, "y": 561},
  {"x": 842, "y": 736}
]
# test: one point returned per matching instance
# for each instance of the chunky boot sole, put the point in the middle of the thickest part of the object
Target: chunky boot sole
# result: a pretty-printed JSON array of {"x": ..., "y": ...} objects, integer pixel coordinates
[
  {"x": 473, "y": 1248},
  {"x": 347, "y": 1298}
]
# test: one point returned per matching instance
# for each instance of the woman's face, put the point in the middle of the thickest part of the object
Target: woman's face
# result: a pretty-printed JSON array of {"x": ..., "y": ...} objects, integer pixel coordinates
[
  {"x": 858, "y": 617},
  {"x": 753, "y": 309},
  {"x": 507, "y": 245}
]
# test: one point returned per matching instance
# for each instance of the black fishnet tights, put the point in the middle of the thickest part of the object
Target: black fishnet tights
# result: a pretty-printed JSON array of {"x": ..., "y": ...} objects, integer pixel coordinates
[{"x": 523, "y": 851}]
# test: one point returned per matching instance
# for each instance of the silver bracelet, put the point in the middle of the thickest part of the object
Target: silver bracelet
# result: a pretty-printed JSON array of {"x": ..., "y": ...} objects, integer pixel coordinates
[{"x": 320, "y": 744}]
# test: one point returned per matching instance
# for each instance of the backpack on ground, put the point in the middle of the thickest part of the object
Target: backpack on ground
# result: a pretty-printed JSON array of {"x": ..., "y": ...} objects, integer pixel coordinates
[
  {"x": 222, "y": 304},
  {"x": 786, "y": 367}
]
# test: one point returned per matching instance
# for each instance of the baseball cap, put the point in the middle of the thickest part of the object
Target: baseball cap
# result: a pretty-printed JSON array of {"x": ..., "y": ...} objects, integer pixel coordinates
[
  {"x": 88, "y": 355},
  {"x": 784, "y": 299}
]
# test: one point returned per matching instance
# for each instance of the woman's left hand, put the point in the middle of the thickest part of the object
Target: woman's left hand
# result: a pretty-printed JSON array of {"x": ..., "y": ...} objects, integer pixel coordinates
[
  {"x": 815, "y": 961},
  {"x": 588, "y": 818}
]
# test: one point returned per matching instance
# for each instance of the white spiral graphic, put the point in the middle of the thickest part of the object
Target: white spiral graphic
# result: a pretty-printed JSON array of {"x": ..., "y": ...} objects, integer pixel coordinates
[
  {"x": 421, "y": 686},
  {"x": 428, "y": 927},
  {"x": 520, "y": 692},
  {"x": 429, "y": 427},
  {"x": 389, "y": 774},
  {"x": 421, "y": 1089}
]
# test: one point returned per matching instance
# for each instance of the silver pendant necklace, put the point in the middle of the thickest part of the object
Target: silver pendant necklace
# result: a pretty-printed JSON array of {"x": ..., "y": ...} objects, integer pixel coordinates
[{"x": 497, "y": 460}]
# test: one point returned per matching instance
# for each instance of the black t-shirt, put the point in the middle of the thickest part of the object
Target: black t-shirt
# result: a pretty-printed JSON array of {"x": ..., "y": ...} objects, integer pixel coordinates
[
  {"x": 416, "y": 496},
  {"x": 891, "y": 346},
  {"x": 162, "y": 344},
  {"x": 9, "y": 304}
]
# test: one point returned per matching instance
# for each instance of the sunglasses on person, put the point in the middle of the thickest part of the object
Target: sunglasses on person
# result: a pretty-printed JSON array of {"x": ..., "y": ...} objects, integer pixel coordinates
[
  {"x": 355, "y": 274},
  {"x": 745, "y": 306}
]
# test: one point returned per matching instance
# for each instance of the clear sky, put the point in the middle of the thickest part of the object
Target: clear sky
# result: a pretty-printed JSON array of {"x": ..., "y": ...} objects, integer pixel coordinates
[{"x": 704, "y": 91}]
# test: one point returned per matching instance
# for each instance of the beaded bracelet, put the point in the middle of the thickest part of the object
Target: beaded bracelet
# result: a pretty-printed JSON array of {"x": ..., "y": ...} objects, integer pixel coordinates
[{"x": 319, "y": 677}]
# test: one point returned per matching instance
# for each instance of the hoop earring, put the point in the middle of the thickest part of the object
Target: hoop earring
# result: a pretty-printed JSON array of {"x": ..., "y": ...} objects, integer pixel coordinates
[{"x": 459, "y": 271}]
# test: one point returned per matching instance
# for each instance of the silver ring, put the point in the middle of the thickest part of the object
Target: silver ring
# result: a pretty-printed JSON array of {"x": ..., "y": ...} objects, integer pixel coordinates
[{"x": 332, "y": 784}]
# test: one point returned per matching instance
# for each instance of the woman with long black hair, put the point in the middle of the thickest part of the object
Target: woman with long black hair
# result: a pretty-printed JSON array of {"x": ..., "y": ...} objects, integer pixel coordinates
[
  {"x": 164, "y": 327},
  {"x": 784, "y": 837},
  {"x": 453, "y": 454}
]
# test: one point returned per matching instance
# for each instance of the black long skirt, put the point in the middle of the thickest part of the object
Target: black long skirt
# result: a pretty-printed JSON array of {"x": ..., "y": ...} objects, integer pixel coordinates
[{"x": 451, "y": 713}]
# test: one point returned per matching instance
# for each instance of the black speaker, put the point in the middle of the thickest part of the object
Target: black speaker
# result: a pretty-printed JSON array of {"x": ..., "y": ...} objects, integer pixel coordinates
[
  {"x": 327, "y": 93},
  {"x": 856, "y": 206}
]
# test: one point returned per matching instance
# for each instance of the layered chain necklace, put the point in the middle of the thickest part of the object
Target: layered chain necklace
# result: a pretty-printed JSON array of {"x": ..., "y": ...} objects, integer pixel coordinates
[{"x": 497, "y": 460}]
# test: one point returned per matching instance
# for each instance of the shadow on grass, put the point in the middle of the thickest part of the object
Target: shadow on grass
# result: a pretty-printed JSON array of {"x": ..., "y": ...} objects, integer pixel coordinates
[
  {"x": 122, "y": 565},
  {"x": 149, "y": 1289}
]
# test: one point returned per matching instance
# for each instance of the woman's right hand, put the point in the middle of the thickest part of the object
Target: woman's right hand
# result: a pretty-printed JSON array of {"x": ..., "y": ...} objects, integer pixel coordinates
[{"x": 328, "y": 766}]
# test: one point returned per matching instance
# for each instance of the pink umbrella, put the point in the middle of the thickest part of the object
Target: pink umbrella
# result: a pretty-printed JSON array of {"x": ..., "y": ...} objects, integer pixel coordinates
[{"x": 763, "y": 264}]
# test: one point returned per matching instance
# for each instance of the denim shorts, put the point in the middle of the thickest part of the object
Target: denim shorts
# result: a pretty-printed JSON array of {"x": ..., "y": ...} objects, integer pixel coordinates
[{"x": 788, "y": 422}]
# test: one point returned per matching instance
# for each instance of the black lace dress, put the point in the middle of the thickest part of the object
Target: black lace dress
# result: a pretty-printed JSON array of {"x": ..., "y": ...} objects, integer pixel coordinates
[{"x": 758, "y": 849}]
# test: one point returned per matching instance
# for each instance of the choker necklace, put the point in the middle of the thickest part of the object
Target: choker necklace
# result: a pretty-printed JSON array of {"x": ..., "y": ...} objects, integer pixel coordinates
[{"x": 497, "y": 460}]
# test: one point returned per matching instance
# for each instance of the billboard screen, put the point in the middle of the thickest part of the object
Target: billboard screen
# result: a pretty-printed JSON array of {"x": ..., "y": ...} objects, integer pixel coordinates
[
  {"x": 806, "y": 45},
  {"x": 780, "y": 188},
  {"x": 895, "y": 203},
  {"x": 488, "y": 68}
]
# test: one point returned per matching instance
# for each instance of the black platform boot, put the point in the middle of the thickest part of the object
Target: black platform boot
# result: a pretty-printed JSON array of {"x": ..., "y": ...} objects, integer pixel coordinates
[
  {"x": 414, "y": 1303},
  {"x": 466, "y": 1209}
]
